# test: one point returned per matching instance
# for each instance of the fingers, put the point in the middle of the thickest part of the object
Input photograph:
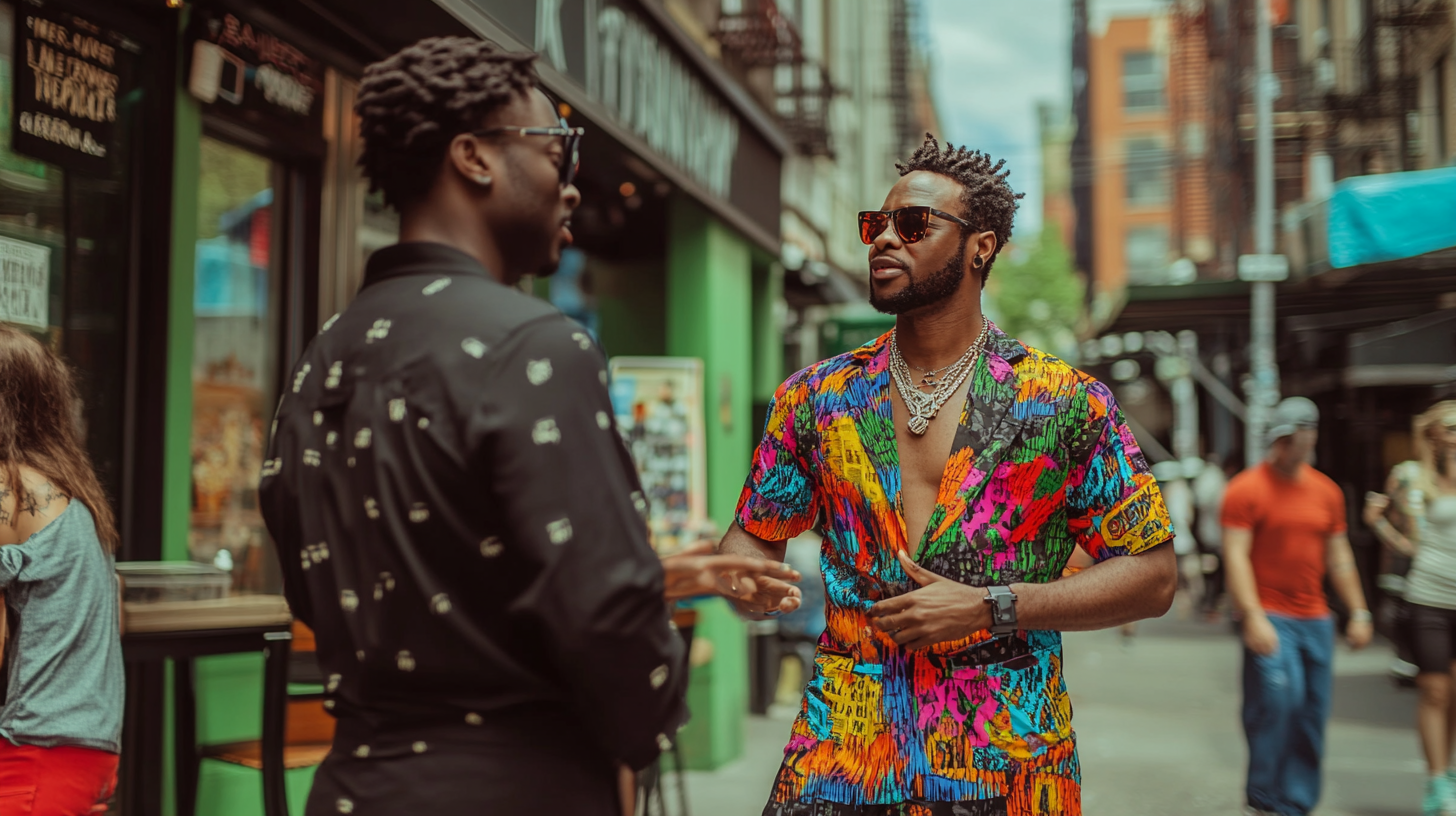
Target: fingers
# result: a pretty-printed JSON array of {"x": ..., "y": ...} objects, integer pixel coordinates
[
  {"x": 698, "y": 548},
  {"x": 917, "y": 573},
  {"x": 890, "y": 606},
  {"x": 751, "y": 566}
]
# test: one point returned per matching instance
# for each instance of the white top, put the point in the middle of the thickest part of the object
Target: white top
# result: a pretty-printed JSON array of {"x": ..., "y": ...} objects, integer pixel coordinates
[{"x": 1432, "y": 577}]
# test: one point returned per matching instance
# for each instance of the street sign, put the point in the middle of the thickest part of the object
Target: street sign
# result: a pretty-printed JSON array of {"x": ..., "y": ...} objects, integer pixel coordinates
[{"x": 1263, "y": 268}]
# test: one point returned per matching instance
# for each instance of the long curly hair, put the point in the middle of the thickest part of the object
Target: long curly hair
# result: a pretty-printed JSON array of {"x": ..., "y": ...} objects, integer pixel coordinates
[
  {"x": 412, "y": 104},
  {"x": 39, "y": 430},
  {"x": 989, "y": 201}
]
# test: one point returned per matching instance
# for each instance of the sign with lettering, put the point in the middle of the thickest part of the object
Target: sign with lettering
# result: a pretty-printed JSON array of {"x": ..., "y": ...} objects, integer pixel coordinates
[
  {"x": 243, "y": 68},
  {"x": 69, "y": 75},
  {"x": 25, "y": 283},
  {"x": 653, "y": 92},
  {"x": 625, "y": 59}
]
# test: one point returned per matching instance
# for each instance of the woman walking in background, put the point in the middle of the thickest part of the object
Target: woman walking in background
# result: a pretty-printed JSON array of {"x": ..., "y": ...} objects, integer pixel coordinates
[
  {"x": 61, "y": 721},
  {"x": 1418, "y": 518}
]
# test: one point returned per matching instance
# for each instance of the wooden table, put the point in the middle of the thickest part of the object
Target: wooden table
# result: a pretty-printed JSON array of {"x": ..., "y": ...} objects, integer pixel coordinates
[{"x": 145, "y": 654}]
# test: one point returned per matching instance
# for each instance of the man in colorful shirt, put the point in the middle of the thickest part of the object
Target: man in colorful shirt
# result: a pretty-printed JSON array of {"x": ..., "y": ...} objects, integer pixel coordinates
[{"x": 916, "y": 706}]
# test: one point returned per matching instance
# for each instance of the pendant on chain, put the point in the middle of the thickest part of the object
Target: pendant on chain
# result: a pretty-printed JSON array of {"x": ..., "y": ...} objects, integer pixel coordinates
[{"x": 918, "y": 425}]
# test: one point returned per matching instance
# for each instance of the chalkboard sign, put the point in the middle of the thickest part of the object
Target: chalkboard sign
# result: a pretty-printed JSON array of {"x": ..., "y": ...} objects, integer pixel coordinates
[{"x": 70, "y": 75}]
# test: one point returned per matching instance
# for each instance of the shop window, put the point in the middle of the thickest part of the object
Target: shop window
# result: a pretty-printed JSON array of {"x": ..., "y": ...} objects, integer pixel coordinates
[
  {"x": 1146, "y": 172},
  {"x": 66, "y": 244},
  {"x": 1146, "y": 255},
  {"x": 236, "y": 305},
  {"x": 1142, "y": 81}
]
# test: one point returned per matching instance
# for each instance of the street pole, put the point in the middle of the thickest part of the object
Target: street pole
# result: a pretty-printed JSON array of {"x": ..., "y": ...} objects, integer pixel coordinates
[{"x": 1263, "y": 386}]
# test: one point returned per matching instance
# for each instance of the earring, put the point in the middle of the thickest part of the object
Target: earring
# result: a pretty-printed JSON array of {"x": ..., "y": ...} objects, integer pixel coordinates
[
  {"x": 977, "y": 263},
  {"x": 483, "y": 181}
]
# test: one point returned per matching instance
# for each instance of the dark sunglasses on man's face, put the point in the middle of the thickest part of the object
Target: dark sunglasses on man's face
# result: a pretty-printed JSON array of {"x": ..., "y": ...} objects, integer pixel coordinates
[
  {"x": 570, "y": 144},
  {"x": 910, "y": 223}
]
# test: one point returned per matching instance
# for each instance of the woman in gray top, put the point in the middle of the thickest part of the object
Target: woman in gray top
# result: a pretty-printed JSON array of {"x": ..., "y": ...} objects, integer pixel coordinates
[
  {"x": 60, "y": 725},
  {"x": 1417, "y": 517}
]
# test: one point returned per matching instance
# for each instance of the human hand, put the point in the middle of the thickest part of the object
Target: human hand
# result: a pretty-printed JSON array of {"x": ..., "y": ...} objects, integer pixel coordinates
[
  {"x": 1260, "y": 636},
  {"x": 1358, "y": 633},
  {"x": 697, "y": 571},
  {"x": 941, "y": 610},
  {"x": 1376, "y": 504}
]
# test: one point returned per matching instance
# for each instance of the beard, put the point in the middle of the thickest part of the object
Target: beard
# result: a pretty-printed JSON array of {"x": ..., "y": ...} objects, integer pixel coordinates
[{"x": 921, "y": 292}]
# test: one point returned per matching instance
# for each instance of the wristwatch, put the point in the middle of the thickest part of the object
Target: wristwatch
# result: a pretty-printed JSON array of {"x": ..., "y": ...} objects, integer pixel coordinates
[{"x": 1003, "y": 609}]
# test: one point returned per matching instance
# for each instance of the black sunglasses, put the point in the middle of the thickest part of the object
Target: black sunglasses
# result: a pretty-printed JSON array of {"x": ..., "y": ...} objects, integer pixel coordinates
[
  {"x": 570, "y": 146},
  {"x": 910, "y": 223}
]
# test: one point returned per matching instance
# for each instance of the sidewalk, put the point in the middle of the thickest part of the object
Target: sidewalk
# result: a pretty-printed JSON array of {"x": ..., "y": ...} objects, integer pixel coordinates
[{"x": 1158, "y": 725}]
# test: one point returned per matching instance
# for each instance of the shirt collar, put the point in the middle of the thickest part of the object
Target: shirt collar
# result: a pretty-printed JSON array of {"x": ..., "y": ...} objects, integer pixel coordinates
[{"x": 420, "y": 258}]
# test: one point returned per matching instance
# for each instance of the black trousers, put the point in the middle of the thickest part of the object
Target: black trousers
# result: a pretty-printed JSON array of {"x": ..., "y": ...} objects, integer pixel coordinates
[{"x": 533, "y": 773}]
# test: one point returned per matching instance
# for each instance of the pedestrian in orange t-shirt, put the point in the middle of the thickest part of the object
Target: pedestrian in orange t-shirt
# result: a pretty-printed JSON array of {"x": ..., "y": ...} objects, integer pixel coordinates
[{"x": 1284, "y": 531}]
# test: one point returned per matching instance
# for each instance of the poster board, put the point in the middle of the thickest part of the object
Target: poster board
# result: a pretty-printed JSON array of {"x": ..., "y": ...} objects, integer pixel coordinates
[
  {"x": 25, "y": 284},
  {"x": 658, "y": 402}
]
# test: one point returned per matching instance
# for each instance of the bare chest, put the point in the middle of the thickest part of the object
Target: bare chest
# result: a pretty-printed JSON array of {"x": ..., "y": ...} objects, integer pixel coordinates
[{"x": 923, "y": 459}]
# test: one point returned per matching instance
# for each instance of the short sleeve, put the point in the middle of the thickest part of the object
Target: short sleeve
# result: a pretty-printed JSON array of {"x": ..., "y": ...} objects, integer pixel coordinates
[
  {"x": 1115, "y": 506},
  {"x": 779, "y": 501}
]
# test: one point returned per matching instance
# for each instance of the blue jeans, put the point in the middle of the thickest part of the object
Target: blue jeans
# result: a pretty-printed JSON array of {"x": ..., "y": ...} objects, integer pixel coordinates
[{"x": 1286, "y": 704}]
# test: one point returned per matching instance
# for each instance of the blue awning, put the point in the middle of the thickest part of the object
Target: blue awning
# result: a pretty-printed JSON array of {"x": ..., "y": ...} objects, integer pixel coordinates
[{"x": 1392, "y": 216}]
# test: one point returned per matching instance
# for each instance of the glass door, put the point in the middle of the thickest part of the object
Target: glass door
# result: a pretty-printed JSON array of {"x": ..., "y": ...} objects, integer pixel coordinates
[{"x": 237, "y": 307}]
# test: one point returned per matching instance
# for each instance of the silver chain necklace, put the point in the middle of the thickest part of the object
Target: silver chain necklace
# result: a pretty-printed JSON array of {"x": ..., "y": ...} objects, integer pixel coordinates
[{"x": 922, "y": 406}]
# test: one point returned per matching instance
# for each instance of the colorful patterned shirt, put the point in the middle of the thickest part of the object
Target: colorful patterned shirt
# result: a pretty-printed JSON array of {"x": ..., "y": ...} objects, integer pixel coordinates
[{"x": 1042, "y": 461}]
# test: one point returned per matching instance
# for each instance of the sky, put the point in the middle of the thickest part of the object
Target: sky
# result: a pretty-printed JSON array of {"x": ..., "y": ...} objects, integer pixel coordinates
[{"x": 992, "y": 61}]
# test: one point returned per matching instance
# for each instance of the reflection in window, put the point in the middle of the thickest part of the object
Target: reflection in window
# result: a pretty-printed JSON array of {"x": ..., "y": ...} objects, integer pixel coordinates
[
  {"x": 1146, "y": 255},
  {"x": 235, "y": 360},
  {"x": 1146, "y": 172},
  {"x": 1142, "y": 81}
]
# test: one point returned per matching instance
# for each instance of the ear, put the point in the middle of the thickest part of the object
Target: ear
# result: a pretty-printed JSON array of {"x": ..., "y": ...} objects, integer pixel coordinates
[
  {"x": 473, "y": 160},
  {"x": 983, "y": 246}
]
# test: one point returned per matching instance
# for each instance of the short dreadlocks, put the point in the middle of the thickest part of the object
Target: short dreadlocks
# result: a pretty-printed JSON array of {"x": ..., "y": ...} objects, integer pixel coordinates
[
  {"x": 412, "y": 104},
  {"x": 989, "y": 201}
]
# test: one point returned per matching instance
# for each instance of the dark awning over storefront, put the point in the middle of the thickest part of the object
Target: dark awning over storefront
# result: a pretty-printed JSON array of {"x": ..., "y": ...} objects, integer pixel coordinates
[{"x": 630, "y": 72}]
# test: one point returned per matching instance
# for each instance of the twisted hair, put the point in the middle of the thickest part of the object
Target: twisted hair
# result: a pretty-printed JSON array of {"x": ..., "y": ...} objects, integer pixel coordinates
[
  {"x": 989, "y": 201},
  {"x": 412, "y": 104},
  {"x": 39, "y": 408}
]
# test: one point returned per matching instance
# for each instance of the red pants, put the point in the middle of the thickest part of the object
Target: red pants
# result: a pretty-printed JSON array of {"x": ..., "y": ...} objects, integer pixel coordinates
[{"x": 63, "y": 781}]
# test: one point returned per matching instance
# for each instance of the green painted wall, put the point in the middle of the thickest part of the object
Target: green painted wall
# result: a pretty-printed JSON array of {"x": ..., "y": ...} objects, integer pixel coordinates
[
  {"x": 229, "y": 688},
  {"x": 631, "y": 304},
  {"x": 710, "y": 316}
]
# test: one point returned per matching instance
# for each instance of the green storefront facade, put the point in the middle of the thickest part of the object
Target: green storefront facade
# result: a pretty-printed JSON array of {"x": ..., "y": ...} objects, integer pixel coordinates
[{"x": 187, "y": 273}]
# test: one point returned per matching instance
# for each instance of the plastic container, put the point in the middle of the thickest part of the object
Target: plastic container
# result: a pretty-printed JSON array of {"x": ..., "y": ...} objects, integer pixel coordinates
[{"x": 166, "y": 581}]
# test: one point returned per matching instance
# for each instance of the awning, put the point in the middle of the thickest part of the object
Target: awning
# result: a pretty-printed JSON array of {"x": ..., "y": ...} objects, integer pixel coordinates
[{"x": 1392, "y": 216}]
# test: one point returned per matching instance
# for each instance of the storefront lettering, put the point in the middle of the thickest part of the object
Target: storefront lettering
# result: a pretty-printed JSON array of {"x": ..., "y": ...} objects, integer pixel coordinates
[
  {"x": 283, "y": 90},
  {"x": 654, "y": 94},
  {"x": 66, "y": 97},
  {"x": 59, "y": 131}
]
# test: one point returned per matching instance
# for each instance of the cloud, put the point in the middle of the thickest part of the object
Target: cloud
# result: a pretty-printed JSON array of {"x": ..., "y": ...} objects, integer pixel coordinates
[{"x": 992, "y": 63}]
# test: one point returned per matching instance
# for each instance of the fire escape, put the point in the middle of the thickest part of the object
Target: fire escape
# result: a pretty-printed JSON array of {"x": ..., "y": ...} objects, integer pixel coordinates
[
  {"x": 1374, "y": 83},
  {"x": 762, "y": 38}
]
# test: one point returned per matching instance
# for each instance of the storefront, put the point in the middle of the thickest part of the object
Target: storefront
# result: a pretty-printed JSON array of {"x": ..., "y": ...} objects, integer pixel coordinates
[{"x": 180, "y": 209}]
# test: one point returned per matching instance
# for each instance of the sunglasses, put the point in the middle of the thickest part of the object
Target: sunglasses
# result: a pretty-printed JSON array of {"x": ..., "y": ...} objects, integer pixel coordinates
[
  {"x": 910, "y": 223},
  {"x": 570, "y": 146}
]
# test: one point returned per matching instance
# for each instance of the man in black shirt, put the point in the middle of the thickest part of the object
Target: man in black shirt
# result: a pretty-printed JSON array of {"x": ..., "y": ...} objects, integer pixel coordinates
[{"x": 457, "y": 518}]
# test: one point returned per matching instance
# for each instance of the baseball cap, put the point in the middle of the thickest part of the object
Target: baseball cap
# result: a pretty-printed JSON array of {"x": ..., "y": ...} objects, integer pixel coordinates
[{"x": 1291, "y": 415}]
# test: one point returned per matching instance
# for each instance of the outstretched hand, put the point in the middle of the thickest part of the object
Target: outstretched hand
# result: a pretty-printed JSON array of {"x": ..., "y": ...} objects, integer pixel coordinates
[
  {"x": 941, "y": 610},
  {"x": 698, "y": 571}
]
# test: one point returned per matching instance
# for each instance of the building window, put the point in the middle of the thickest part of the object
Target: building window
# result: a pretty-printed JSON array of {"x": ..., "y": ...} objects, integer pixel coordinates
[
  {"x": 1142, "y": 81},
  {"x": 1146, "y": 171},
  {"x": 1146, "y": 255}
]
